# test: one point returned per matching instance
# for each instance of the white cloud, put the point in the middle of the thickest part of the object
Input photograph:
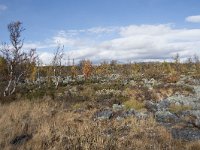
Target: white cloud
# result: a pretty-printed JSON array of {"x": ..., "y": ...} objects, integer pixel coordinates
[
  {"x": 37, "y": 45},
  {"x": 195, "y": 19},
  {"x": 46, "y": 57},
  {"x": 3, "y": 7},
  {"x": 100, "y": 30},
  {"x": 153, "y": 42},
  {"x": 63, "y": 40},
  {"x": 89, "y": 31},
  {"x": 144, "y": 30},
  {"x": 134, "y": 42}
]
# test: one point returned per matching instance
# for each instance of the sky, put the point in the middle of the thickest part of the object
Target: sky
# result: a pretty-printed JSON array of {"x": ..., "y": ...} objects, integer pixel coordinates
[{"x": 123, "y": 30}]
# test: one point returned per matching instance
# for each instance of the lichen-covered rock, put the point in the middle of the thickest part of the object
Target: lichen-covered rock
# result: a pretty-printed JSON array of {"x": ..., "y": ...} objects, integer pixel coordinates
[
  {"x": 182, "y": 100},
  {"x": 163, "y": 105},
  {"x": 154, "y": 107},
  {"x": 186, "y": 134},
  {"x": 192, "y": 117},
  {"x": 117, "y": 107},
  {"x": 166, "y": 117},
  {"x": 103, "y": 114},
  {"x": 128, "y": 113},
  {"x": 151, "y": 106},
  {"x": 141, "y": 115}
]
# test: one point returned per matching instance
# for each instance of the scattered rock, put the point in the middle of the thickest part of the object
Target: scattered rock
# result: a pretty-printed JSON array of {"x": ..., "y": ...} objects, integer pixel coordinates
[
  {"x": 21, "y": 139},
  {"x": 191, "y": 117},
  {"x": 103, "y": 114},
  {"x": 188, "y": 119},
  {"x": 118, "y": 113},
  {"x": 154, "y": 107},
  {"x": 182, "y": 100},
  {"x": 119, "y": 118},
  {"x": 117, "y": 107},
  {"x": 141, "y": 115},
  {"x": 166, "y": 117},
  {"x": 163, "y": 105},
  {"x": 151, "y": 106},
  {"x": 186, "y": 134},
  {"x": 129, "y": 113}
]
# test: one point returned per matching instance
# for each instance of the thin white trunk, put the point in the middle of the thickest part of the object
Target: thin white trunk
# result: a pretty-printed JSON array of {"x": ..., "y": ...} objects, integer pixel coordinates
[
  {"x": 15, "y": 84},
  {"x": 7, "y": 88},
  {"x": 6, "y": 91},
  {"x": 11, "y": 87}
]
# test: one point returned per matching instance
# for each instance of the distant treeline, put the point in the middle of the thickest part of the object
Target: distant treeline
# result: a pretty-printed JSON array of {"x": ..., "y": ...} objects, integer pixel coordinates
[{"x": 18, "y": 67}]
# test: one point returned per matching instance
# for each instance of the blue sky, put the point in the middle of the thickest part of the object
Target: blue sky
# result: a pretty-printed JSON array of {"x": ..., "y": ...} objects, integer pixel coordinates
[{"x": 95, "y": 29}]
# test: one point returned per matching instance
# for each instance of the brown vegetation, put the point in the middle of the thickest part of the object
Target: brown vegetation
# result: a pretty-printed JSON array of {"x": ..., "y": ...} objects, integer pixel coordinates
[
  {"x": 52, "y": 107},
  {"x": 52, "y": 127}
]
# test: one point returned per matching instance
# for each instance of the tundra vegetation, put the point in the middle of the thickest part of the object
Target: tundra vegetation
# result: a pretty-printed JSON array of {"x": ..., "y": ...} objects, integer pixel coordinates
[{"x": 152, "y": 105}]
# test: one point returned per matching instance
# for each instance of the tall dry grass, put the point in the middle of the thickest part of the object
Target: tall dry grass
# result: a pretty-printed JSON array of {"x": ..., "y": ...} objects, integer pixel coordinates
[{"x": 53, "y": 127}]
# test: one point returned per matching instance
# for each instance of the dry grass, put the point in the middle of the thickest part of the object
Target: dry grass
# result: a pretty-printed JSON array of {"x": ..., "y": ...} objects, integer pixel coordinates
[
  {"x": 132, "y": 103},
  {"x": 177, "y": 108},
  {"x": 53, "y": 127}
]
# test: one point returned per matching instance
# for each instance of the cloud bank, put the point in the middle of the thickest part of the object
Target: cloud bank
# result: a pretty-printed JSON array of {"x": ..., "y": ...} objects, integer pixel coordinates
[
  {"x": 127, "y": 43},
  {"x": 194, "y": 19}
]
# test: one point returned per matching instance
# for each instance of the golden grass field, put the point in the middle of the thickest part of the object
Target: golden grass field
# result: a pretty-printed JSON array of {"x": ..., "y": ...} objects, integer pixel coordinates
[{"x": 50, "y": 126}]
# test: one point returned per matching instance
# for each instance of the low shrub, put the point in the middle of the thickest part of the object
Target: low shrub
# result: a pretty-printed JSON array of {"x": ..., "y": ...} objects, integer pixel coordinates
[{"x": 36, "y": 94}]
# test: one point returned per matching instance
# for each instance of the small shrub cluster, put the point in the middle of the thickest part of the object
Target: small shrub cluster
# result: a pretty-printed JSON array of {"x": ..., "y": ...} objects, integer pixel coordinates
[{"x": 132, "y": 103}]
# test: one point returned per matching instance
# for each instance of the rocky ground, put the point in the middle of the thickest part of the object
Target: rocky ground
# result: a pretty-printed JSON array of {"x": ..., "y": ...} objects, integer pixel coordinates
[
  {"x": 179, "y": 113},
  {"x": 140, "y": 114}
]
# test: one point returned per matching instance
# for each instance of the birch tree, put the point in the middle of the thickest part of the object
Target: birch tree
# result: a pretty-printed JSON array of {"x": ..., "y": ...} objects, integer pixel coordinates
[
  {"x": 87, "y": 68},
  {"x": 74, "y": 71},
  {"x": 57, "y": 65},
  {"x": 18, "y": 62}
]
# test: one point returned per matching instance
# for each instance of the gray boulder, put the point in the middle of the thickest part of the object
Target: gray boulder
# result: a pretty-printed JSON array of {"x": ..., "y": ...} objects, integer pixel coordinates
[
  {"x": 141, "y": 115},
  {"x": 163, "y": 105},
  {"x": 154, "y": 107},
  {"x": 192, "y": 117},
  {"x": 185, "y": 134},
  {"x": 151, "y": 106},
  {"x": 103, "y": 114},
  {"x": 166, "y": 117},
  {"x": 117, "y": 107},
  {"x": 128, "y": 113}
]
